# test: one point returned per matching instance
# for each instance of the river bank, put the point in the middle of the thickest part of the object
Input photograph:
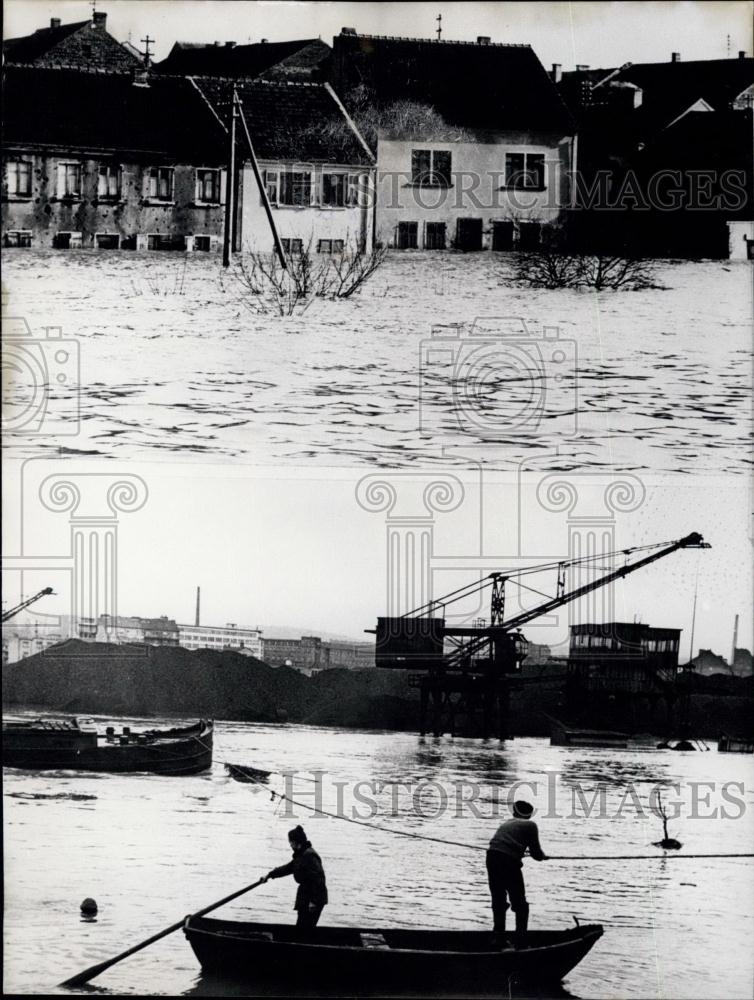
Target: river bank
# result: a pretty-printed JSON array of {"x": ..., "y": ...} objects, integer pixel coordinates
[{"x": 99, "y": 678}]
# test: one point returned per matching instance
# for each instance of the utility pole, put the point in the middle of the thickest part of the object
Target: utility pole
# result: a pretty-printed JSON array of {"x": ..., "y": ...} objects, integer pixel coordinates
[
  {"x": 147, "y": 54},
  {"x": 439, "y": 27},
  {"x": 230, "y": 185}
]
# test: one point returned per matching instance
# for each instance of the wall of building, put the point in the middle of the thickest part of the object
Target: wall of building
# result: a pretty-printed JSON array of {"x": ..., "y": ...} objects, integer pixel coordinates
[
  {"x": 740, "y": 236},
  {"x": 248, "y": 641},
  {"x": 477, "y": 191},
  {"x": 352, "y": 224},
  {"x": 132, "y": 216}
]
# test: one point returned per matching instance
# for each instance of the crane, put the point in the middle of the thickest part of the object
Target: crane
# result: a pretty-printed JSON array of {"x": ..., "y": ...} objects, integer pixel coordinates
[
  {"x": 483, "y": 657},
  {"x": 12, "y": 612}
]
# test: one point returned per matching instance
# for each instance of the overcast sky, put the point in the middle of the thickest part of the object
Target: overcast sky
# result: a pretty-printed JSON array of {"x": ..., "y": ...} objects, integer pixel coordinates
[
  {"x": 597, "y": 34},
  {"x": 293, "y": 547}
]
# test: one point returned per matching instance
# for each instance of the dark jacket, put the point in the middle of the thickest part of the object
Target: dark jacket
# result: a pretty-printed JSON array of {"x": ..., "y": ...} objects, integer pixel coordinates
[{"x": 306, "y": 868}]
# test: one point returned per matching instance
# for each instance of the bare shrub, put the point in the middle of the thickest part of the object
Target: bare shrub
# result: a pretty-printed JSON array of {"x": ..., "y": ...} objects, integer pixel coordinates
[
  {"x": 267, "y": 287},
  {"x": 550, "y": 268},
  {"x": 350, "y": 269}
]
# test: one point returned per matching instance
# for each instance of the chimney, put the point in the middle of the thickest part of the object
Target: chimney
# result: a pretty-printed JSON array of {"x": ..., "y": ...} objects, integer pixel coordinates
[
  {"x": 348, "y": 31},
  {"x": 54, "y": 22},
  {"x": 675, "y": 56},
  {"x": 741, "y": 54},
  {"x": 581, "y": 67},
  {"x": 483, "y": 39},
  {"x": 557, "y": 72},
  {"x": 198, "y": 594},
  {"x": 99, "y": 18}
]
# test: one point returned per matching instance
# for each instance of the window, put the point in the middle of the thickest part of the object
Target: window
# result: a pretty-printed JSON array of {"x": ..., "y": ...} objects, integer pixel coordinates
[
  {"x": 334, "y": 190},
  {"x": 271, "y": 186},
  {"x": 108, "y": 183},
  {"x": 164, "y": 241},
  {"x": 18, "y": 238},
  {"x": 407, "y": 236},
  {"x": 19, "y": 179},
  {"x": 295, "y": 188},
  {"x": 208, "y": 186},
  {"x": 293, "y": 246},
  {"x": 330, "y": 246},
  {"x": 69, "y": 180},
  {"x": 434, "y": 236},
  {"x": 160, "y": 183},
  {"x": 431, "y": 167},
  {"x": 68, "y": 241},
  {"x": 525, "y": 170},
  {"x": 107, "y": 241}
]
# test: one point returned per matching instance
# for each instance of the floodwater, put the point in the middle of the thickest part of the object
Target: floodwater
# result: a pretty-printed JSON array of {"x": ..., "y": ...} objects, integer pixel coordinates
[
  {"x": 151, "y": 849},
  {"x": 173, "y": 361}
]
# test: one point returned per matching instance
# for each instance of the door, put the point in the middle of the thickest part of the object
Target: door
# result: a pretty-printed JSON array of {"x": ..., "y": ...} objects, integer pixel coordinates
[
  {"x": 469, "y": 234},
  {"x": 502, "y": 235},
  {"x": 529, "y": 234}
]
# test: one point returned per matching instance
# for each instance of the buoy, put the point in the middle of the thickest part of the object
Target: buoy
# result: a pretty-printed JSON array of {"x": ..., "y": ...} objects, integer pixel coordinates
[{"x": 89, "y": 907}]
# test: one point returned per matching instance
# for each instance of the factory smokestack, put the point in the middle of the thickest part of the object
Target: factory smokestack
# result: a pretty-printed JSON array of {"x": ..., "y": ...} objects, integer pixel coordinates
[
  {"x": 198, "y": 595},
  {"x": 735, "y": 643}
]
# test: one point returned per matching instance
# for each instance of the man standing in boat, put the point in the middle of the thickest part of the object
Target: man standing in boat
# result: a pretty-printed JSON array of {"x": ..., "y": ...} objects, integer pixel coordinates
[
  {"x": 504, "y": 870},
  {"x": 306, "y": 868}
]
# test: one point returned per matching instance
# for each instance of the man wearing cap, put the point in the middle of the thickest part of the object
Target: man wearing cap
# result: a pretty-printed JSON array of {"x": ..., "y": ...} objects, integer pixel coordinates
[{"x": 504, "y": 864}]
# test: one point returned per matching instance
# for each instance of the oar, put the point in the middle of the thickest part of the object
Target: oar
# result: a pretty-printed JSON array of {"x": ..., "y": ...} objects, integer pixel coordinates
[{"x": 94, "y": 970}]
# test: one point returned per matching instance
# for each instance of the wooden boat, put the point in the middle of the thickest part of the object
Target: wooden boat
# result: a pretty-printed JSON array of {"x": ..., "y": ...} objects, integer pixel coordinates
[
  {"x": 247, "y": 775},
  {"x": 69, "y": 745},
  {"x": 276, "y": 961},
  {"x": 562, "y": 735}
]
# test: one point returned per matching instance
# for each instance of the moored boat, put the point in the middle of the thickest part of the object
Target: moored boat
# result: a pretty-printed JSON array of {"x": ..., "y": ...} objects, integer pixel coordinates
[
  {"x": 343, "y": 961},
  {"x": 563, "y": 735},
  {"x": 69, "y": 745}
]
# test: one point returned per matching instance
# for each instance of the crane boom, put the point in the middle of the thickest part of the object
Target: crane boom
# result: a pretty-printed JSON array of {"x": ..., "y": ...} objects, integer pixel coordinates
[
  {"x": 12, "y": 612},
  {"x": 692, "y": 541}
]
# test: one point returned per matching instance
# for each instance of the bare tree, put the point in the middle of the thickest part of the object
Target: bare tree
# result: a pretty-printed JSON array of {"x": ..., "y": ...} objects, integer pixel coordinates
[{"x": 667, "y": 842}]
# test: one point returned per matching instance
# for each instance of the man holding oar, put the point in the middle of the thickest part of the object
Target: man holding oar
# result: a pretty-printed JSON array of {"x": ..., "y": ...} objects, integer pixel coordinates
[
  {"x": 504, "y": 870},
  {"x": 306, "y": 868}
]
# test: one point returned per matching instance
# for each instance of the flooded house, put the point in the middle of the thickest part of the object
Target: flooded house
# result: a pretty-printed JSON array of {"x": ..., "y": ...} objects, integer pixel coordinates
[
  {"x": 317, "y": 170},
  {"x": 475, "y": 147},
  {"x": 665, "y": 155},
  {"x": 140, "y": 165}
]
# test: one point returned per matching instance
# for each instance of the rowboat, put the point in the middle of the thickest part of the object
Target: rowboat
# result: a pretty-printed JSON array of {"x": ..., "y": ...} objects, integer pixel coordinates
[
  {"x": 69, "y": 745},
  {"x": 344, "y": 961},
  {"x": 247, "y": 775}
]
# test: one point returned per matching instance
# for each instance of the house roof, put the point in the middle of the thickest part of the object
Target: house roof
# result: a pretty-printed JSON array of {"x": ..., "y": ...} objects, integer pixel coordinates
[
  {"x": 294, "y": 58},
  {"x": 167, "y": 119},
  {"x": 489, "y": 87},
  {"x": 668, "y": 89},
  {"x": 303, "y": 122},
  {"x": 30, "y": 47}
]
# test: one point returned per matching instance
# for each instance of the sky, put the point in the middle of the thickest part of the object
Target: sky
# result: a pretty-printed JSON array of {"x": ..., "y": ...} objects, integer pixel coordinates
[
  {"x": 294, "y": 547},
  {"x": 591, "y": 33}
]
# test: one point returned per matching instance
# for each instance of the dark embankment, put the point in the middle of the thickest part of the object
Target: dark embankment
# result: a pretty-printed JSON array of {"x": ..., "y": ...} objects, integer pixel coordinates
[{"x": 78, "y": 677}]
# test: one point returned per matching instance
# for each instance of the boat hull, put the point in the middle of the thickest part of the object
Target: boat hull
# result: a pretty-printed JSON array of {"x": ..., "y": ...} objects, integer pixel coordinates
[
  {"x": 38, "y": 747},
  {"x": 416, "y": 963}
]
